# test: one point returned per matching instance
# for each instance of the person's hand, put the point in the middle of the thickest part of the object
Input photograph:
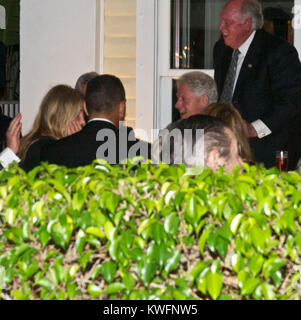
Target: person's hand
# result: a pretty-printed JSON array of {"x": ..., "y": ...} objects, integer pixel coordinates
[
  {"x": 74, "y": 127},
  {"x": 13, "y": 134},
  {"x": 249, "y": 130}
]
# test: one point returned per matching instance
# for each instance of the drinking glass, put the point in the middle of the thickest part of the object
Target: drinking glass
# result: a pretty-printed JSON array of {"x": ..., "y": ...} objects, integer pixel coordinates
[{"x": 281, "y": 160}]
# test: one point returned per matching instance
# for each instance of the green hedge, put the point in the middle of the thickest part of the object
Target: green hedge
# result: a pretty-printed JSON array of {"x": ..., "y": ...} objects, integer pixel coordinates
[{"x": 155, "y": 232}]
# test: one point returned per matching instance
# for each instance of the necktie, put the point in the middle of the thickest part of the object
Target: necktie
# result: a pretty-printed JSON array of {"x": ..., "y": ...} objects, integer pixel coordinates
[{"x": 226, "y": 96}]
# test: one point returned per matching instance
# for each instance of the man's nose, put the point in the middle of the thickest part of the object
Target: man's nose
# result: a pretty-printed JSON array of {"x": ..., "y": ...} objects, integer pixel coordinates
[
  {"x": 179, "y": 104},
  {"x": 220, "y": 26}
]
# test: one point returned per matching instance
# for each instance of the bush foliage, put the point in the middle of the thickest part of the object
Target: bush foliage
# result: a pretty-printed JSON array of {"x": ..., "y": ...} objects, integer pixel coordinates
[{"x": 102, "y": 232}]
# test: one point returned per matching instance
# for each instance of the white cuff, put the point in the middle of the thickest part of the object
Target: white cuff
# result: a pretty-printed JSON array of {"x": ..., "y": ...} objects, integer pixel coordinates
[
  {"x": 7, "y": 156},
  {"x": 261, "y": 129}
]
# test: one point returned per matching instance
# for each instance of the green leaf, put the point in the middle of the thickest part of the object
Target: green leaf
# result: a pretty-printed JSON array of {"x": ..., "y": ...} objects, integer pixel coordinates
[
  {"x": 258, "y": 238},
  {"x": 157, "y": 232},
  {"x": 111, "y": 201},
  {"x": 146, "y": 271},
  {"x": 191, "y": 212},
  {"x": 109, "y": 230},
  {"x": 129, "y": 281},
  {"x": 71, "y": 290},
  {"x": 61, "y": 231},
  {"x": 225, "y": 232},
  {"x": 95, "y": 272},
  {"x": 179, "y": 200},
  {"x": 271, "y": 265},
  {"x": 85, "y": 259},
  {"x": 255, "y": 264},
  {"x": 268, "y": 291},
  {"x": 94, "y": 290},
  {"x": 84, "y": 220},
  {"x": 146, "y": 224},
  {"x": 158, "y": 253},
  {"x": 10, "y": 215},
  {"x": 115, "y": 287},
  {"x": 171, "y": 224},
  {"x": 127, "y": 238},
  {"x": 214, "y": 281},
  {"x": 173, "y": 261},
  {"x": 19, "y": 295},
  {"x": 43, "y": 236},
  {"x": 202, "y": 281},
  {"x": 277, "y": 278},
  {"x": 237, "y": 262},
  {"x": 203, "y": 238},
  {"x": 109, "y": 270},
  {"x": 221, "y": 246},
  {"x": 249, "y": 285},
  {"x": 45, "y": 283},
  {"x": 80, "y": 243},
  {"x": 212, "y": 242},
  {"x": 114, "y": 249},
  {"x": 241, "y": 278},
  {"x": 79, "y": 199},
  {"x": 235, "y": 223},
  {"x": 72, "y": 270},
  {"x": 50, "y": 254},
  {"x": 197, "y": 269},
  {"x": 26, "y": 230},
  {"x": 298, "y": 242},
  {"x": 95, "y": 232}
]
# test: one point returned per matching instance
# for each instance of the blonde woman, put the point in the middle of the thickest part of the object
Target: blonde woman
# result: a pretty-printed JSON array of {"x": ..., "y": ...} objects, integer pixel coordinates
[
  {"x": 231, "y": 116},
  {"x": 61, "y": 114}
]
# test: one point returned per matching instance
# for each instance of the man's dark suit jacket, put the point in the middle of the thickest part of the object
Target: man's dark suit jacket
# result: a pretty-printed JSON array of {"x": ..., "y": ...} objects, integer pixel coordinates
[
  {"x": 81, "y": 148},
  {"x": 268, "y": 88},
  {"x": 4, "y": 124}
]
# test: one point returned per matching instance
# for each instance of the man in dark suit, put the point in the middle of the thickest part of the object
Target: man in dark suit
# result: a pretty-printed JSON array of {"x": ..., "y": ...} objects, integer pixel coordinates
[
  {"x": 262, "y": 73},
  {"x": 4, "y": 123},
  {"x": 101, "y": 137}
]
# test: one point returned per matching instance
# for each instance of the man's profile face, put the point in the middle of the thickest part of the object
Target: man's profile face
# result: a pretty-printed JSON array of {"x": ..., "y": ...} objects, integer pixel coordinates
[
  {"x": 235, "y": 29},
  {"x": 188, "y": 104}
]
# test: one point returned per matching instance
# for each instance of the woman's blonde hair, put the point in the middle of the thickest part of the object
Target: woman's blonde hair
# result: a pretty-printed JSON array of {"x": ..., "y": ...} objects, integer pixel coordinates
[
  {"x": 231, "y": 116},
  {"x": 60, "y": 106}
]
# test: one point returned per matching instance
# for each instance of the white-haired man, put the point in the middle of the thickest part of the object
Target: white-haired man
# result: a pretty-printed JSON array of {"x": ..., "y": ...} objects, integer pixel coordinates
[
  {"x": 195, "y": 90},
  {"x": 260, "y": 74}
]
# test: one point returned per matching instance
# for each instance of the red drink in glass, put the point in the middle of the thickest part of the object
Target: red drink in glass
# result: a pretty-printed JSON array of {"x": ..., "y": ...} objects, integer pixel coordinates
[{"x": 281, "y": 161}]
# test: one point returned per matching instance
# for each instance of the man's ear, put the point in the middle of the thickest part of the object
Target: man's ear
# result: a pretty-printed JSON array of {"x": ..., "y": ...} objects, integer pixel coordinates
[
  {"x": 204, "y": 100},
  {"x": 248, "y": 23},
  {"x": 122, "y": 110},
  {"x": 214, "y": 161},
  {"x": 85, "y": 108}
]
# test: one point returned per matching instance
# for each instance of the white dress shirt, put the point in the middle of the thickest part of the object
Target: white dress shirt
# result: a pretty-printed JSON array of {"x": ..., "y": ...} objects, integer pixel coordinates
[
  {"x": 101, "y": 119},
  {"x": 260, "y": 127}
]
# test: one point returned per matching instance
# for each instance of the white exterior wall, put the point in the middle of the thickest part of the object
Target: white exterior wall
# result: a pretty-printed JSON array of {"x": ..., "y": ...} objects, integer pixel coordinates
[{"x": 57, "y": 44}]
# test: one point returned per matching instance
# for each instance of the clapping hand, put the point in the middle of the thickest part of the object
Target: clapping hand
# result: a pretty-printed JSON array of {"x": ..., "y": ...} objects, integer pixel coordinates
[{"x": 13, "y": 134}]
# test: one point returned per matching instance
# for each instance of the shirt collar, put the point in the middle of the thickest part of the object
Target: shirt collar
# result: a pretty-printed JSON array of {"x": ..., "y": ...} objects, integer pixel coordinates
[
  {"x": 101, "y": 119},
  {"x": 243, "y": 49}
]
